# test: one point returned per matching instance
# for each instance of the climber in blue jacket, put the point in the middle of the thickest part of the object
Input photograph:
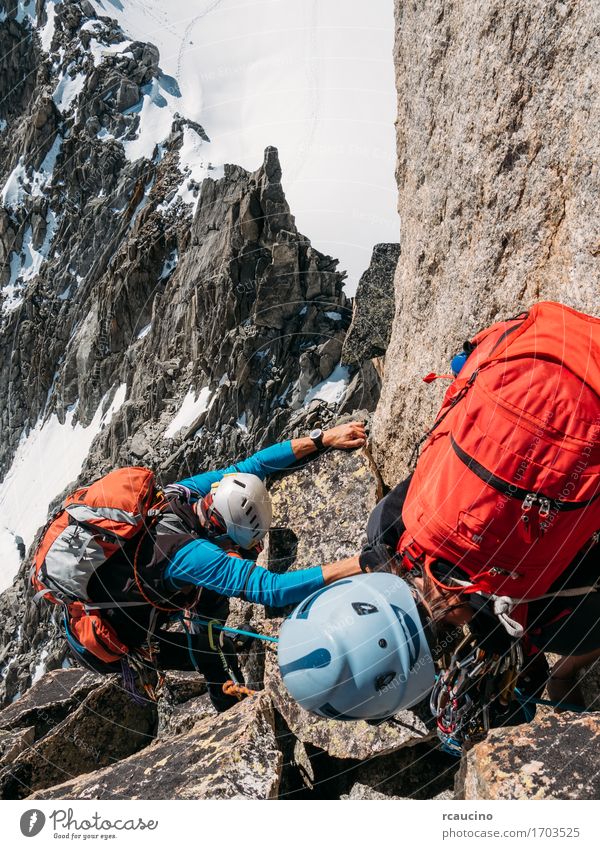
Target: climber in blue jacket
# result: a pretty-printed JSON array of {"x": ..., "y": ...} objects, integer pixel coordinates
[
  {"x": 202, "y": 551},
  {"x": 219, "y": 561}
]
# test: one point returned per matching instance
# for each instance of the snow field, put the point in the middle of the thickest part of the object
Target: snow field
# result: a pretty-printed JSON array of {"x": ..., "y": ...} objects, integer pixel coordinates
[
  {"x": 190, "y": 409},
  {"x": 48, "y": 458}
]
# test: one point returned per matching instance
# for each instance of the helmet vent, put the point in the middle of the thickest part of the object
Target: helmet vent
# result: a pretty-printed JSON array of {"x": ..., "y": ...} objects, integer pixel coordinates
[
  {"x": 363, "y": 608},
  {"x": 328, "y": 710},
  {"x": 239, "y": 483},
  {"x": 306, "y": 605},
  {"x": 383, "y": 680}
]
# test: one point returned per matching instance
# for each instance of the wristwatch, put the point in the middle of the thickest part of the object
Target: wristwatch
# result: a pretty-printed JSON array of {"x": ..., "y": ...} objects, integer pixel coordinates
[{"x": 317, "y": 437}]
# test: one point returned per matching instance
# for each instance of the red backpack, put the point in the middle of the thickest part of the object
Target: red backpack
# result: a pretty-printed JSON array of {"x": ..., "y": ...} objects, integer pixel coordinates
[
  {"x": 94, "y": 524},
  {"x": 507, "y": 486}
]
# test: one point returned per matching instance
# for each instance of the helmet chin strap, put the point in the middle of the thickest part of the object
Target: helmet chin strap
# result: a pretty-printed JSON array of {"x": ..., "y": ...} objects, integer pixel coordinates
[{"x": 209, "y": 523}]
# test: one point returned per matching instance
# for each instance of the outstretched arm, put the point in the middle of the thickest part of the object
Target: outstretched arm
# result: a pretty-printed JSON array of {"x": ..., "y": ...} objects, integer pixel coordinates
[
  {"x": 281, "y": 456},
  {"x": 201, "y": 563},
  {"x": 345, "y": 436}
]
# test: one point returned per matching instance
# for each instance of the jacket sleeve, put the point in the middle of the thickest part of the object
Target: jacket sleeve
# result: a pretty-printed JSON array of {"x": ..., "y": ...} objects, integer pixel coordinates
[
  {"x": 204, "y": 564},
  {"x": 261, "y": 464}
]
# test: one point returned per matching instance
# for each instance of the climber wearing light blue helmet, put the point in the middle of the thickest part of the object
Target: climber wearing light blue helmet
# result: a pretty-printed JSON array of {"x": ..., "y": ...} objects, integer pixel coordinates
[{"x": 357, "y": 649}]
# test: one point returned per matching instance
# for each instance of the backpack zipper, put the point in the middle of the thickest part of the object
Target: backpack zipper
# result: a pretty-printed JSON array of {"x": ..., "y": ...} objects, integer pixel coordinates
[
  {"x": 529, "y": 499},
  {"x": 102, "y": 643}
]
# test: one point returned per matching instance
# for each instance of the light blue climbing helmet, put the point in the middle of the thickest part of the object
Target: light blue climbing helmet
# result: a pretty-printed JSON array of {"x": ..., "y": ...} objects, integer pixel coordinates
[{"x": 356, "y": 650}]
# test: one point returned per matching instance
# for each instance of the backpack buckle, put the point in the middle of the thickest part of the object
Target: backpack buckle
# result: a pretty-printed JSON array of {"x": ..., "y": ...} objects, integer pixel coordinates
[{"x": 412, "y": 556}]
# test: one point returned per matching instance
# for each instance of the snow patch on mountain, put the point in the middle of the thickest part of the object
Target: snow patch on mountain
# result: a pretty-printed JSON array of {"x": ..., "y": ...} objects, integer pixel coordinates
[
  {"x": 68, "y": 89},
  {"x": 155, "y": 121},
  {"x": 47, "y": 30},
  {"x": 19, "y": 182},
  {"x": 330, "y": 390},
  {"x": 26, "y": 10},
  {"x": 35, "y": 478},
  {"x": 190, "y": 409}
]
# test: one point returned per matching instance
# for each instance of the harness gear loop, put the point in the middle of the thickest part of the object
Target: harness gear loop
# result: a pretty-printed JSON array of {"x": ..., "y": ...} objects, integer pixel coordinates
[
  {"x": 216, "y": 646},
  {"x": 141, "y": 664}
]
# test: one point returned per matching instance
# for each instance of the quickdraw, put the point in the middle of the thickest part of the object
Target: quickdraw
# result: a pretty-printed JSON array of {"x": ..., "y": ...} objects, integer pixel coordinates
[{"x": 465, "y": 693}]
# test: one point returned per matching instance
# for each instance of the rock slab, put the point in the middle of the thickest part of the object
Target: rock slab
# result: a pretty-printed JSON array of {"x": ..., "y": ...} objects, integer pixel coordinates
[
  {"x": 351, "y": 740},
  {"x": 232, "y": 756},
  {"x": 555, "y": 757},
  {"x": 498, "y": 138},
  {"x": 107, "y": 725}
]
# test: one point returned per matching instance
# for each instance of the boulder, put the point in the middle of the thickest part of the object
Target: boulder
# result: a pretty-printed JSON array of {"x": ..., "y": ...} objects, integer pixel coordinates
[
  {"x": 179, "y": 718},
  {"x": 374, "y": 302},
  {"x": 555, "y": 757},
  {"x": 107, "y": 725},
  {"x": 415, "y": 772},
  {"x": 12, "y": 743},
  {"x": 231, "y": 756},
  {"x": 363, "y": 791},
  {"x": 48, "y": 702},
  {"x": 320, "y": 511},
  {"x": 346, "y": 740},
  {"x": 128, "y": 94}
]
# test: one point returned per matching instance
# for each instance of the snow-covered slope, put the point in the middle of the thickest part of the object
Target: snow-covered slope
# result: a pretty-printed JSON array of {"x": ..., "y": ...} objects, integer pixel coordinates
[
  {"x": 312, "y": 77},
  {"x": 47, "y": 460}
]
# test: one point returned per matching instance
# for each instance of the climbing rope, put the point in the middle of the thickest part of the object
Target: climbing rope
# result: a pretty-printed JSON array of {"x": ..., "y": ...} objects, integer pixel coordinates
[
  {"x": 214, "y": 623},
  {"x": 529, "y": 700}
]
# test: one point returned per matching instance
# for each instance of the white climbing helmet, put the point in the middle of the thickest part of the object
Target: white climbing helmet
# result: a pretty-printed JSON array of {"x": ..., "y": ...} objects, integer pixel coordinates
[
  {"x": 242, "y": 505},
  {"x": 357, "y": 650}
]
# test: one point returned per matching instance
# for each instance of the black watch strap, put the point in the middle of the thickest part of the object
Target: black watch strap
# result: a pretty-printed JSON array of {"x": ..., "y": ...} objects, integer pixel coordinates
[{"x": 318, "y": 440}]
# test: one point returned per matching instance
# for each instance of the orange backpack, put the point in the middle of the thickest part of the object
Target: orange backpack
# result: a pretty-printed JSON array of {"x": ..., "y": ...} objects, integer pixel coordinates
[
  {"x": 507, "y": 486},
  {"x": 94, "y": 524}
]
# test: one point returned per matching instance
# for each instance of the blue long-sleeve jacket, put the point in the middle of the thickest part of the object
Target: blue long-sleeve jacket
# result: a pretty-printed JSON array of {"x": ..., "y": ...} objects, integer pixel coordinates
[{"x": 205, "y": 564}]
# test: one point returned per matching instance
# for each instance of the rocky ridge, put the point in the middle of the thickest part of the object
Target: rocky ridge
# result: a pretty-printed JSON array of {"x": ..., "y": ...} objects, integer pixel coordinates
[{"x": 147, "y": 283}]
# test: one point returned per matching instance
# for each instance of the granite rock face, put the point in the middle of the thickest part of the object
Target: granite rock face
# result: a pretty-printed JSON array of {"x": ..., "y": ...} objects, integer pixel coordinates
[
  {"x": 498, "y": 132},
  {"x": 233, "y": 756},
  {"x": 320, "y": 510},
  {"x": 555, "y": 757},
  {"x": 49, "y": 701}
]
